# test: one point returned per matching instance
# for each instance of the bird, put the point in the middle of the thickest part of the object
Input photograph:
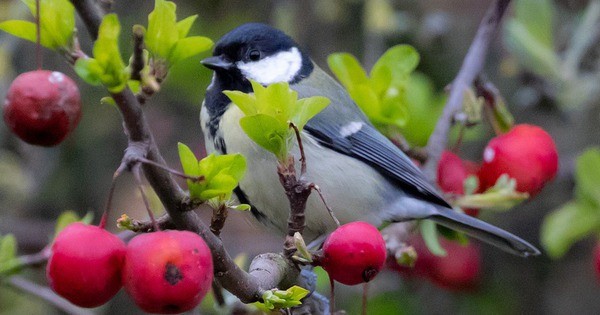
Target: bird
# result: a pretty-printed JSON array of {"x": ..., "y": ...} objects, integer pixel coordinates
[{"x": 362, "y": 174}]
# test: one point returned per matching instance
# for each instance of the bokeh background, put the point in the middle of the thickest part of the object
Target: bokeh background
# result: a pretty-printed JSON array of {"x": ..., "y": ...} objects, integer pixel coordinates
[{"x": 37, "y": 184}]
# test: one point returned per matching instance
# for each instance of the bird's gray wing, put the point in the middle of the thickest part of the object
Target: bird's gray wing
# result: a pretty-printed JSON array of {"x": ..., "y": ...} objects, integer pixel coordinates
[{"x": 371, "y": 147}]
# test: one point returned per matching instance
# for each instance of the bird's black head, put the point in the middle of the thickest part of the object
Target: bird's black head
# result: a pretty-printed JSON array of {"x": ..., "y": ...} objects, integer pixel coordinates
[{"x": 259, "y": 52}]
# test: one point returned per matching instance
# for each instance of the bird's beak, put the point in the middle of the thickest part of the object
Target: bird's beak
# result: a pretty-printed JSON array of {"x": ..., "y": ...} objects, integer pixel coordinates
[{"x": 217, "y": 63}]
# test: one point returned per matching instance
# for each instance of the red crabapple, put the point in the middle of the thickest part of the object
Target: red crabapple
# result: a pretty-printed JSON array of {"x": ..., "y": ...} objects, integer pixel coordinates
[
  {"x": 167, "y": 272},
  {"x": 354, "y": 253},
  {"x": 42, "y": 107},
  {"x": 527, "y": 153},
  {"x": 85, "y": 264}
]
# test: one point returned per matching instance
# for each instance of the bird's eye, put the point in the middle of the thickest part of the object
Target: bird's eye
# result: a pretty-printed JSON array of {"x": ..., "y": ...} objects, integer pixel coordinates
[{"x": 254, "y": 55}]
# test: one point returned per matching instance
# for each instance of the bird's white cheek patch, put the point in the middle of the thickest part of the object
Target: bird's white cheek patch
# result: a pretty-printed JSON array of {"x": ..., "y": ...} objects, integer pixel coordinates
[{"x": 281, "y": 67}]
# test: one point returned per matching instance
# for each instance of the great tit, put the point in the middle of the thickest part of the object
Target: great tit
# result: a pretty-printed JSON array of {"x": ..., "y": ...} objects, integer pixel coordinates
[{"x": 362, "y": 174}]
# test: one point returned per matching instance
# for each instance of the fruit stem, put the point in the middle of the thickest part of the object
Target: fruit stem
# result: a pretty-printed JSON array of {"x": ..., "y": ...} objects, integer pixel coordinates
[
  {"x": 332, "y": 296},
  {"x": 38, "y": 48},
  {"x": 364, "y": 297},
  {"x": 138, "y": 179},
  {"x": 108, "y": 206}
]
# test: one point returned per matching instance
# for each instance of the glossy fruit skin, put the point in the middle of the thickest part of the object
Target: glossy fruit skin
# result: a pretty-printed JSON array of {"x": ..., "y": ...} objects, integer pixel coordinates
[
  {"x": 460, "y": 270},
  {"x": 42, "y": 107},
  {"x": 167, "y": 272},
  {"x": 354, "y": 253},
  {"x": 85, "y": 265},
  {"x": 527, "y": 153},
  {"x": 451, "y": 174}
]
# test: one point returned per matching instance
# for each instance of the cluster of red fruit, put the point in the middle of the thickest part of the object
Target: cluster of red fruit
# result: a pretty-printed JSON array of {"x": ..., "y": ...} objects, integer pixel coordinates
[
  {"x": 166, "y": 272},
  {"x": 42, "y": 107},
  {"x": 526, "y": 153}
]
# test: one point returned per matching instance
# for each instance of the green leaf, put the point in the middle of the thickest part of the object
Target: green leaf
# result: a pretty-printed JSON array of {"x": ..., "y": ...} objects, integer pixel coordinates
[
  {"x": 430, "y": 236},
  {"x": 502, "y": 196},
  {"x": 308, "y": 108},
  {"x": 278, "y": 299},
  {"x": 347, "y": 69},
  {"x": 188, "y": 47},
  {"x": 89, "y": 70},
  {"x": 531, "y": 53},
  {"x": 368, "y": 101},
  {"x": 268, "y": 132},
  {"x": 537, "y": 17},
  {"x": 69, "y": 217},
  {"x": 184, "y": 26},
  {"x": 57, "y": 20},
  {"x": 8, "y": 248},
  {"x": 107, "y": 55},
  {"x": 162, "y": 32},
  {"x": 245, "y": 101},
  {"x": 394, "y": 66},
  {"x": 190, "y": 166},
  {"x": 567, "y": 225},
  {"x": 587, "y": 176},
  {"x": 26, "y": 30},
  {"x": 241, "y": 207}
]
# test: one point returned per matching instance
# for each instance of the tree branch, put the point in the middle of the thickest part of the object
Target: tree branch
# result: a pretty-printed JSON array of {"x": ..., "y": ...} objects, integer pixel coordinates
[
  {"x": 90, "y": 13},
  {"x": 46, "y": 294},
  {"x": 142, "y": 144},
  {"x": 471, "y": 67}
]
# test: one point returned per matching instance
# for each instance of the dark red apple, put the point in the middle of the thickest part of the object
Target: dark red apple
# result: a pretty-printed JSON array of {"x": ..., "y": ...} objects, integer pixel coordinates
[
  {"x": 167, "y": 272},
  {"x": 85, "y": 265},
  {"x": 42, "y": 107}
]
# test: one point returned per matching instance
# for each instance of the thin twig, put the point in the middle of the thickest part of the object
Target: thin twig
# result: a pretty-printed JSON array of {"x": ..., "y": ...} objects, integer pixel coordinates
[
  {"x": 38, "y": 37},
  {"x": 318, "y": 190},
  {"x": 217, "y": 292},
  {"x": 26, "y": 261},
  {"x": 471, "y": 67},
  {"x": 137, "y": 60},
  {"x": 170, "y": 170},
  {"x": 301, "y": 148},
  {"x": 46, "y": 294}
]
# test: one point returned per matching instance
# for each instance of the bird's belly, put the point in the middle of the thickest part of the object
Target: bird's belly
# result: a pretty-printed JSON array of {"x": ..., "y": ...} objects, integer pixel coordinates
[{"x": 354, "y": 190}]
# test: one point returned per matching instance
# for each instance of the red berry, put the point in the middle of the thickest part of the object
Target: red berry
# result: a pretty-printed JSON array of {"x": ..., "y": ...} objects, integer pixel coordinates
[
  {"x": 167, "y": 272},
  {"x": 85, "y": 265},
  {"x": 451, "y": 174},
  {"x": 354, "y": 253},
  {"x": 527, "y": 153},
  {"x": 460, "y": 269},
  {"x": 42, "y": 107}
]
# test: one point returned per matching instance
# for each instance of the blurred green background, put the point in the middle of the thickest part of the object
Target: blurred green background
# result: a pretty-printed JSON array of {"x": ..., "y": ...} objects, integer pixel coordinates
[{"x": 37, "y": 184}]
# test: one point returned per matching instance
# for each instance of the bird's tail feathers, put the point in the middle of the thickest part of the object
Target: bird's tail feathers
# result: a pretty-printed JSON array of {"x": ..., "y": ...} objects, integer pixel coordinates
[
  {"x": 484, "y": 232},
  {"x": 409, "y": 208}
]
